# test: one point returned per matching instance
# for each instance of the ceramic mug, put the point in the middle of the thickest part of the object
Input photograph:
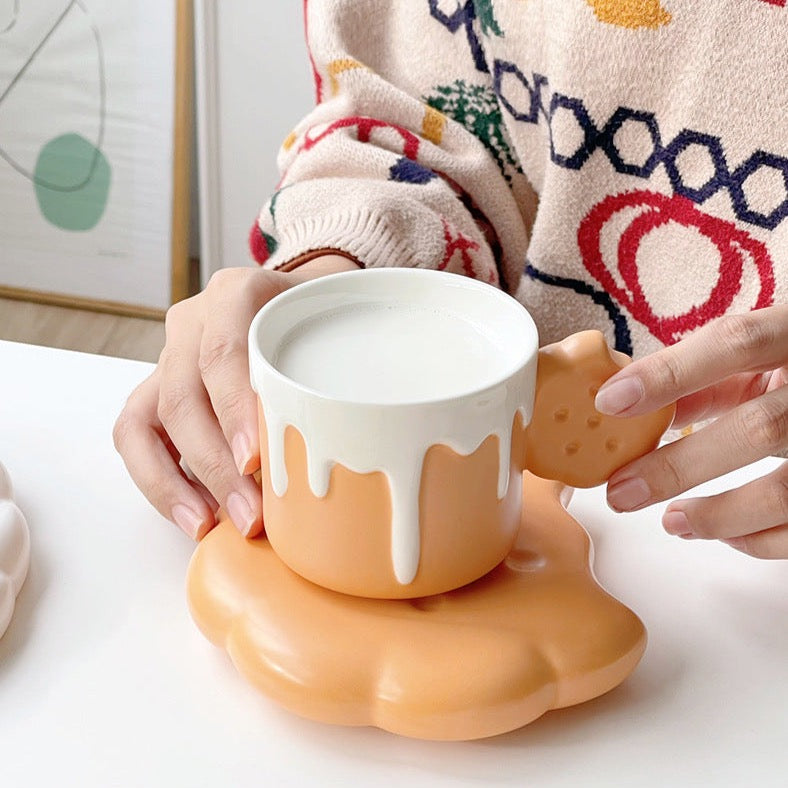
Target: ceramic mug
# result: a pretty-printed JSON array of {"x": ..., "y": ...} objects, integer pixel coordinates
[
  {"x": 398, "y": 411},
  {"x": 392, "y": 408}
]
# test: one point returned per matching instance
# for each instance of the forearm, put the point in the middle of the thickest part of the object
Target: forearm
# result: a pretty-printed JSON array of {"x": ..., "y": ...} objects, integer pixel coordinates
[{"x": 388, "y": 169}]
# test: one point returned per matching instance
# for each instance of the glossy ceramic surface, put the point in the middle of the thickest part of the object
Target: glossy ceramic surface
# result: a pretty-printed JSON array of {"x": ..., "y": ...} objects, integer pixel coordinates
[
  {"x": 389, "y": 467},
  {"x": 536, "y": 633},
  {"x": 14, "y": 550}
]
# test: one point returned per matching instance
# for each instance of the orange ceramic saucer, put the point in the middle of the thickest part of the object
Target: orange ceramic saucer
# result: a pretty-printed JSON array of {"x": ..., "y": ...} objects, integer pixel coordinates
[{"x": 536, "y": 633}]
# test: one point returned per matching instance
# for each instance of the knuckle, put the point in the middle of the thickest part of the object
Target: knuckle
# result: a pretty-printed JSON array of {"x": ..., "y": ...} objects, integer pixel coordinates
[
  {"x": 667, "y": 370},
  {"x": 212, "y": 468},
  {"x": 671, "y": 475},
  {"x": 216, "y": 349},
  {"x": 176, "y": 313},
  {"x": 124, "y": 425},
  {"x": 744, "y": 334},
  {"x": 174, "y": 403},
  {"x": 763, "y": 424},
  {"x": 223, "y": 278},
  {"x": 131, "y": 418},
  {"x": 166, "y": 357},
  {"x": 230, "y": 407},
  {"x": 779, "y": 494}
]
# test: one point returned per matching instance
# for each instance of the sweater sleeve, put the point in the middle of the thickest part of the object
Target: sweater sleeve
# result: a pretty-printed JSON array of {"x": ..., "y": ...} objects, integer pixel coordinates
[{"x": 405, "y": 160}]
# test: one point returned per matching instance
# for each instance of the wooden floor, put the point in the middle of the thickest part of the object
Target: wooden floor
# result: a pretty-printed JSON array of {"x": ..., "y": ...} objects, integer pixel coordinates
[{"x": 76, "y": 329}]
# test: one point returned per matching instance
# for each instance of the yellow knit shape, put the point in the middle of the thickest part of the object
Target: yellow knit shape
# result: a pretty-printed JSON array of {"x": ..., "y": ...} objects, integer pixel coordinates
[
  {"x": 289, "y": 141},
  {"x": 633, "y": 14},
  {"x": 432, "y": 125},
  {"x": 336, "y": 67}
]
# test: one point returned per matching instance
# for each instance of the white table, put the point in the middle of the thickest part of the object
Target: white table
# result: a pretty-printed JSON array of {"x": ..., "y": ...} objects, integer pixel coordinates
[{"x": 105, "y": 681}]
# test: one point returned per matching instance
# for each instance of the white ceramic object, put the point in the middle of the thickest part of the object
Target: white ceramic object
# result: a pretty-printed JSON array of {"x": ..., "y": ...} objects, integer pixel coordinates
[{"x": 14, "y": 550}]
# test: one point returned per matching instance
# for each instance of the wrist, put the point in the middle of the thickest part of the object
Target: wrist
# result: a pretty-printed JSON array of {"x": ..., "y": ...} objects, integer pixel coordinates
[
  {"x": 320, "y": 263},
  {"x": 327, "y": 264}
]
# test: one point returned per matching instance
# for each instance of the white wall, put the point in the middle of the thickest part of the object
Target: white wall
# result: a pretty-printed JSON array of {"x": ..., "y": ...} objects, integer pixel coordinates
[{"x": 253, "y": 83}]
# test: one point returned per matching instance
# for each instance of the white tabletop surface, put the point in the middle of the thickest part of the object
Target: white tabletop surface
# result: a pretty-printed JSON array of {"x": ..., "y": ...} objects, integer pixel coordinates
[{"x": 105, "y": 680}]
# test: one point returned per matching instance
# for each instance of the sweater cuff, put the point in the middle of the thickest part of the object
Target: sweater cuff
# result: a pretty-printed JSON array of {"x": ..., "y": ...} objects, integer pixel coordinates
[
  {"x": 307, "y": 257},
  {"x": 361, "y": 234}
]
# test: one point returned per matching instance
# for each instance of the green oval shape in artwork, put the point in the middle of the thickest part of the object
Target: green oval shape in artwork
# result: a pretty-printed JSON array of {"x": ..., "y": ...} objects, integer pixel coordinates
[{"x": 72, "y": 182}]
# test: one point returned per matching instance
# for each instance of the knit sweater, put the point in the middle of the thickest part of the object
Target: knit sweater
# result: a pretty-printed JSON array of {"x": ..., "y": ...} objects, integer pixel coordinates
[{"x": 613, "y": 164}]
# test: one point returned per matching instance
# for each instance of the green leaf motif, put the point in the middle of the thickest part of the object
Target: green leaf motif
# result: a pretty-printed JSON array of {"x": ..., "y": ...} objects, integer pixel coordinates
[
  {"x": 270, "y": 242},
  {"x": 476, "y": 107},
  {"x": 484, "y": 10}
]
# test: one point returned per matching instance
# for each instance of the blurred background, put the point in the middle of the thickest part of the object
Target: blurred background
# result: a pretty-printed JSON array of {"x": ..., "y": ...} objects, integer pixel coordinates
[{"x": 138, "y": 141}]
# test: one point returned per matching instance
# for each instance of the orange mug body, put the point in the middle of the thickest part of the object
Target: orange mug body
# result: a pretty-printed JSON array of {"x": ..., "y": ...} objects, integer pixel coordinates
[{"x": 342, "y": 541}]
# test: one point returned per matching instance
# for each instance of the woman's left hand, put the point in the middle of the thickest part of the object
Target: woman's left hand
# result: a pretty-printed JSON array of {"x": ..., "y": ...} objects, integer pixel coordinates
[{"x": 735, "y": 368}]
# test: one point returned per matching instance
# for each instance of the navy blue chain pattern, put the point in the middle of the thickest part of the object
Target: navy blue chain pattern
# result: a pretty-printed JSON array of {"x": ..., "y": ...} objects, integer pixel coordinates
[{"x": 537, "y": 106}]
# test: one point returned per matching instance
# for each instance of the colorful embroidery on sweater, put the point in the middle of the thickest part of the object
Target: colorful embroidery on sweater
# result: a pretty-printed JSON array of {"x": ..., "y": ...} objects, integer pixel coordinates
[
  {"x": 476, "y": 107},
  {"x": 594, "y": 138},
  {"x": 457, "y": 242},
  {"x": 621, "y": 334},
  {"x": 464, "y": 16},
  {"x": 648, "y": 174},
  {"x": 656, "y": 210},
  {"x": 634, "y": 14}
]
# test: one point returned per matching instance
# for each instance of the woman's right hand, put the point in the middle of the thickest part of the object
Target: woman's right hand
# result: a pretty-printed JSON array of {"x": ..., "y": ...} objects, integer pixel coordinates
[{"x": 197, "y": 409}]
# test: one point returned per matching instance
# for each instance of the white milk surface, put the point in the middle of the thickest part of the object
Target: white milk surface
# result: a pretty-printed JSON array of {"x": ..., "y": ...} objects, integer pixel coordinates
[{"x": 389, "y": 353}]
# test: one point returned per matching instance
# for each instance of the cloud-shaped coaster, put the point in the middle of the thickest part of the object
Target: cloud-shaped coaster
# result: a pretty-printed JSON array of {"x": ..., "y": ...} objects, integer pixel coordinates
[
  {"x": 14, "y": 550},
  {"x": 536, "y": 633}
]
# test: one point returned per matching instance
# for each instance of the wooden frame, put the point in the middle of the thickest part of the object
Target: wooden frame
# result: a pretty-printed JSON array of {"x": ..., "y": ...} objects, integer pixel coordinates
[
  {"x": 181, "y": 266},
  {"x": 182, "y": 149}
]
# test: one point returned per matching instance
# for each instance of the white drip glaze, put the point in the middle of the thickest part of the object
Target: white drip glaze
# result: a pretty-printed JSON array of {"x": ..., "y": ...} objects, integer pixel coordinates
[{"x": 342, "y": 388}]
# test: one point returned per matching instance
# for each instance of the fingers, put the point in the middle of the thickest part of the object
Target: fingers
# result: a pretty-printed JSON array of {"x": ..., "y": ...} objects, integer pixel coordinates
[
  {"x": 153, "y": 464},
  {"x": 752, "y": 519},
  {"x": 187, "y": 415},
  {"x": 763, "y": 544},
  {"x": 760, "y": 505},
  {"x": 754, "y": 430},
  {"x": 721, "y": 397},
  {"x": 224, "y": 363},
  {"x": 755, "y": 341}
]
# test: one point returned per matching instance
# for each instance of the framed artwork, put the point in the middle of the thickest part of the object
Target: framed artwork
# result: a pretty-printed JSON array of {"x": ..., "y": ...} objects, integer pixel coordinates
[{"x": 95, "y": 133}]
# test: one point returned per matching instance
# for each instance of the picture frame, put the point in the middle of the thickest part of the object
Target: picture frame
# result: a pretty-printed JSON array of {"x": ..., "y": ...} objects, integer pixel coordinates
[{"x": 96, "y": 108}]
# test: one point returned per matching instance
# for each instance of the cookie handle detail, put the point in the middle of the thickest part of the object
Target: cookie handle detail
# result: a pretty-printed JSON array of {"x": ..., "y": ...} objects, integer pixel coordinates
[{"x": 568, "y": 439}]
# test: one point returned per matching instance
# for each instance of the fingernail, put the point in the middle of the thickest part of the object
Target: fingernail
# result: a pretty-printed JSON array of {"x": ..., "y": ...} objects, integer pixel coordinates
[
  {"x": 618, "y": 396},
  {"x": 242, "y": 452},
  {"x": 187, "y": 520},
  {"x": 628, "y": 495},
  {"x": 240, "y": 512},
  {"x": 676, "y": 524}
]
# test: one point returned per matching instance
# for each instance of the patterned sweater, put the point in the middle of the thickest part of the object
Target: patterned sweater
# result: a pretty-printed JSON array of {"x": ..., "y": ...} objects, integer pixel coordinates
[{"x": 619, "y": 164}]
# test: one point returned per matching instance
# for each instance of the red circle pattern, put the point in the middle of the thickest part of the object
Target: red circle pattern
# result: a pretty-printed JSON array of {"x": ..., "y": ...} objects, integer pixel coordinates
[{"x": 734, "y": 246}]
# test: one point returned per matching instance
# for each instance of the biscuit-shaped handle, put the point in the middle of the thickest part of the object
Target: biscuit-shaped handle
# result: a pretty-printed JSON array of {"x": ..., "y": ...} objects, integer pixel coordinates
[{"x": 568, "y": 439}]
